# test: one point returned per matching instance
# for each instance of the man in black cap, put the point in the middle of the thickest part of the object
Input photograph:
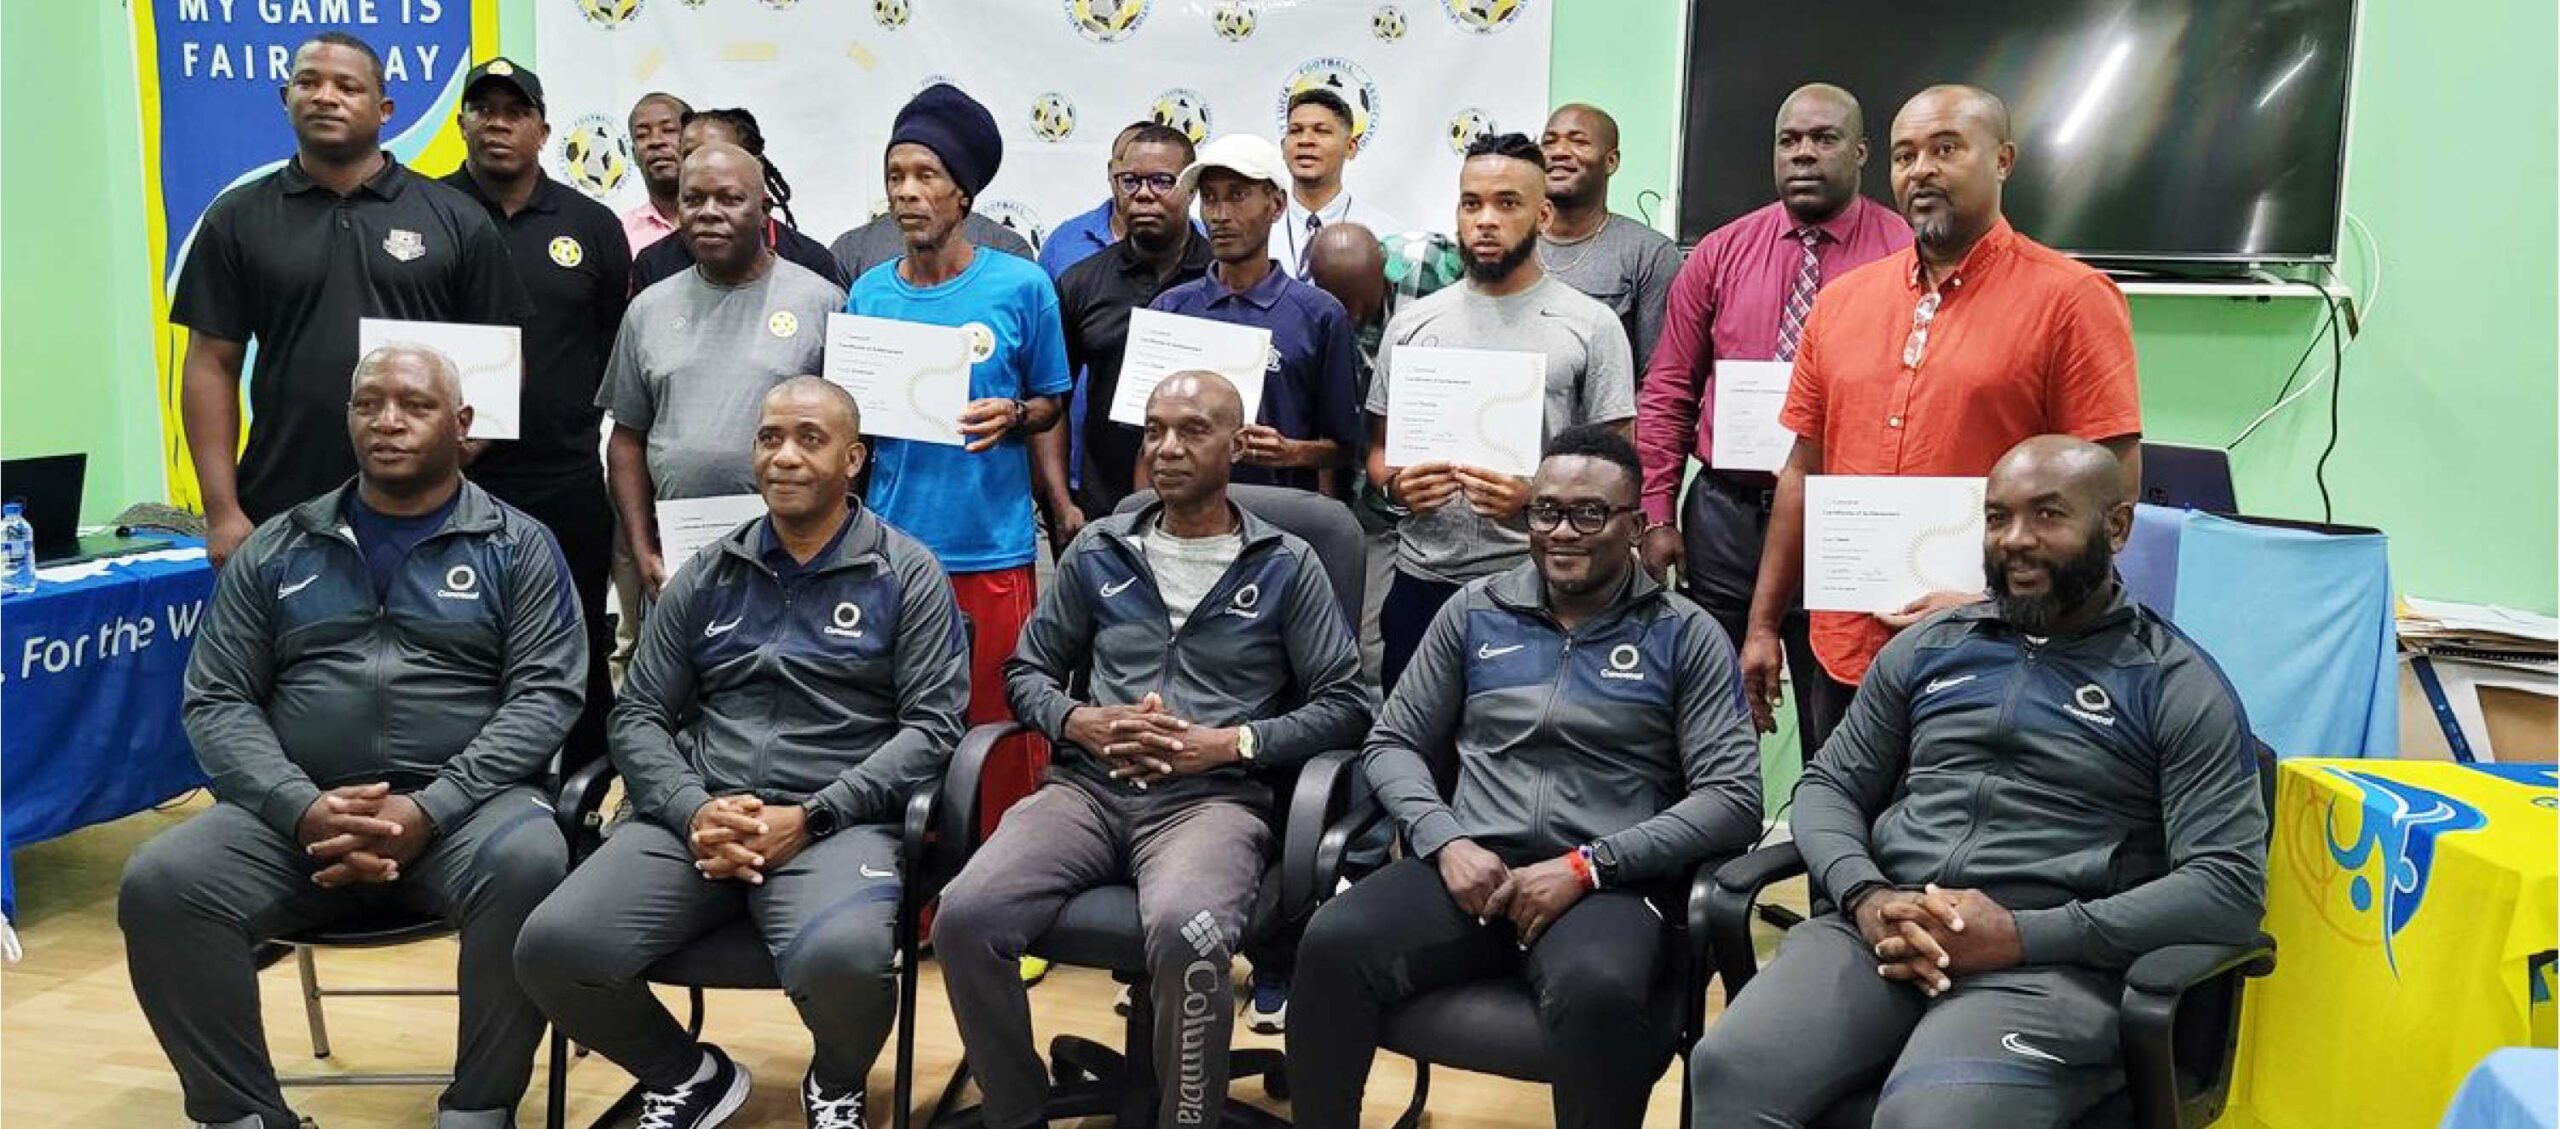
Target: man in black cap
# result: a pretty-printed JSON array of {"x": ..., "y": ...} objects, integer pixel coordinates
[
  {"x": 570, "y": 254},
  {"x": 292, "y": 261}
]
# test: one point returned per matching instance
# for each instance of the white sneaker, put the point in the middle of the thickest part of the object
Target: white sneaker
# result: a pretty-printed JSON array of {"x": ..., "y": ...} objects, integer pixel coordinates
[{"x": 838, "y": 1111}]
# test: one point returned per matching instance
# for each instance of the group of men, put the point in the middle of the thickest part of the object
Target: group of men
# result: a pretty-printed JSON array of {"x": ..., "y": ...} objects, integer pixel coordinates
[{"x": 2009, "y": 794}]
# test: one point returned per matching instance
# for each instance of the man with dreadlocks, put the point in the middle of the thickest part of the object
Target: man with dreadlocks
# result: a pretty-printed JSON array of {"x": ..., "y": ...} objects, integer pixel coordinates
[{"x": 735, "y": 126}]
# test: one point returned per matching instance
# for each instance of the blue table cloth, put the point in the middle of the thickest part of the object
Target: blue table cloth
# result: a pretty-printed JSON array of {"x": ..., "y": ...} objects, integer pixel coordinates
[
  {"x": 91, "y": 672},
  {"x": 2515, "y": 1088}
]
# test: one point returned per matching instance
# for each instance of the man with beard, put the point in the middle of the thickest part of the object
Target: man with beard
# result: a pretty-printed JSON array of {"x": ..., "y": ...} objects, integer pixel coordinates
[
  {"x": 698, "y": 352},
  {"x": 1743, "y": 296},
  {"x": 2026, "y": 795},
  {"x": 569, "y": 252},
  {"x": 1621, "y": 262},
  {"x": 657, "y": 128},
  {"x": 1933, "y": 361},
  {"x": 290, "y": 262},
  {"x": 1601, "y": 755},
  {"x": 1160, "y": 252},
  {"x": 1466, "y": 521}
]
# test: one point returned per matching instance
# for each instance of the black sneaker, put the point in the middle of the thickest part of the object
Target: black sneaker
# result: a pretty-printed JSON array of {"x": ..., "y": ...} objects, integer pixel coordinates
[
  {"x": 839, "y": 1110},
  {"x": 699, "y": 1104}
]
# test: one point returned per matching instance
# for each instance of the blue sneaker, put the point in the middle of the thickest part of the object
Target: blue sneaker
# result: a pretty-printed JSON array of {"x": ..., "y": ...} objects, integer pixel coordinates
[{"x": 1268, "y": 1014}]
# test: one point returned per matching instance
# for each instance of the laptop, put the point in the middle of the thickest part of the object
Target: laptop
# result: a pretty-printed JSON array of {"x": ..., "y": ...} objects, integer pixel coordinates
[
  {"x": 2188, "y": 478},
  {"x": 48, "y": 488}
]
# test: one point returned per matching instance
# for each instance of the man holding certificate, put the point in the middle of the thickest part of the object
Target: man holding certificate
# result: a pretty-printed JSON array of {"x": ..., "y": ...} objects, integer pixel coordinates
[
  {"x": 1930, "y": 363},
  {"x": 1736, "y": 316},
  {"x": 1454, "y": 432}
]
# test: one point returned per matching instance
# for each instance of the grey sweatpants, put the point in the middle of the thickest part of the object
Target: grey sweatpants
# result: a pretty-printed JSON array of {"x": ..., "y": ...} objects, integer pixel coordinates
[
  {"x": 197, "y": 901},
  {"x": 2024, "y": 1048},
  {"x": 1198, "y": 866},
  {"x": 828, "y": 916}
]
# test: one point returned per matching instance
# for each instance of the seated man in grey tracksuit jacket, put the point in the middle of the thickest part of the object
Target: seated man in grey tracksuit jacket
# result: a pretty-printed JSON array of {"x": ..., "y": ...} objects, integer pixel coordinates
[
  {"x": 798, "y": 679},
  {"x": 1602, "y": 752},
  {"x": 1207, "y": 642},
  {"x": 377, "y": 691},
  {"x": 2026, "y": 795}
]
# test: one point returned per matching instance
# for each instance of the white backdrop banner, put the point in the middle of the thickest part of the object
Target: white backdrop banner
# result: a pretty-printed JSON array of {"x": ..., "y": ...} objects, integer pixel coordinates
[{"x": 825, "y": 77}]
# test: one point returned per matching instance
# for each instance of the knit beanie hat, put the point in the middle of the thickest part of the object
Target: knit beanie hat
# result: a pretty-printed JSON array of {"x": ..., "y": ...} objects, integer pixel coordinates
[{"x": 957, "y": 129}]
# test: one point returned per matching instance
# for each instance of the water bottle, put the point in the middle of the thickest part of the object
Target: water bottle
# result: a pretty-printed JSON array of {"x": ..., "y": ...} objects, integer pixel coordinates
[{"x": 17, "y": 552}]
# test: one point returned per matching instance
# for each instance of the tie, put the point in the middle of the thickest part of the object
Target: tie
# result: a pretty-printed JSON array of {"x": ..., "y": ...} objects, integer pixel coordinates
[
  {"x": 1800, "y": 295},
  {"x": 1314, "y": 221}
]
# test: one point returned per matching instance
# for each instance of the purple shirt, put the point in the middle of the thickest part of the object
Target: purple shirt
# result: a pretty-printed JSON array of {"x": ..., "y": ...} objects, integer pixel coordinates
[
  {"x": 1310, "y": 388},
  {"x": 1726, "y": 302}
]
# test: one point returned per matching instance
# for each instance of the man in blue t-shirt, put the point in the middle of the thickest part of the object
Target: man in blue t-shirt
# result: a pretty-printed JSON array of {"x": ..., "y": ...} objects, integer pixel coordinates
[{"x": 971, "y": 505}]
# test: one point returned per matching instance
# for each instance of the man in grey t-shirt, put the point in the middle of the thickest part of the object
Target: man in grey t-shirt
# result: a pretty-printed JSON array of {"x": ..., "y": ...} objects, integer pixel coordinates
[
  {"x": 698, "y": 351},
  {"x": 1627, "y": 266},
  {"x": 880, "y": 241},
  {"x": 1466, "y": 521}
]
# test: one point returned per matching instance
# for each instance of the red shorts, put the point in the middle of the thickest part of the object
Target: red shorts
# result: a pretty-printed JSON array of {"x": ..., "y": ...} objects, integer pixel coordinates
[{"x": 998, "y": 604}]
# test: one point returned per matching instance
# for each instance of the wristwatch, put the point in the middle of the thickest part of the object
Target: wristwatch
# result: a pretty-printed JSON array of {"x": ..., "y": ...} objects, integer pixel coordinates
[
  {"x": 1245, "y": 743},
  {"x": 1604, "y": 862},
  {"x": 1021, "y": 413},
  {"x": 819, "y": 819}
]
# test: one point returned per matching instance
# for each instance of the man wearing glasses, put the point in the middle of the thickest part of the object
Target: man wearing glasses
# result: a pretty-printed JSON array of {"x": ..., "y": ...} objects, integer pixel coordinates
[
  {"x": 1601, "y": 752},
  {"x": 1935, "y": 361}
]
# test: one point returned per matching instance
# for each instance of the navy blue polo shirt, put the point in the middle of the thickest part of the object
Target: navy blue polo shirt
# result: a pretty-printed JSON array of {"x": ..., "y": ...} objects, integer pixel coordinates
[{"x": 1311, "y": 381}]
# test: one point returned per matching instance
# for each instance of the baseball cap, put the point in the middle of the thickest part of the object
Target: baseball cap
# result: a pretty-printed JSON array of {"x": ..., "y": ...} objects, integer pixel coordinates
[
  {"x": 1244, "y": 154},
  {"x": 505, "y": 70}
]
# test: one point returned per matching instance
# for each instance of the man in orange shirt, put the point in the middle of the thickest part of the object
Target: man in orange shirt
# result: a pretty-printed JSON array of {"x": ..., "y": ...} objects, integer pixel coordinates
[{"x": 1934, "y": 361}]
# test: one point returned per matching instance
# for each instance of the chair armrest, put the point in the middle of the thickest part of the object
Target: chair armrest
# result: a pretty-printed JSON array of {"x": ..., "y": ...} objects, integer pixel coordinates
[
  {"x": 2171, "y": 970},
  {"x": 2155, "y": 987},
  {"x": 580, "y": 808},
  {"x": 957, "y": 810},
  {"x": 1726, "y": 920},
  {"x": 916, "y": 842},
  {"x": 1323, "y": 789}
]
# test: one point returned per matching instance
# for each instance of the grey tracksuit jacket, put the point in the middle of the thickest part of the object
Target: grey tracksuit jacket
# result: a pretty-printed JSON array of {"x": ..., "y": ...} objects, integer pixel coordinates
[
  {"x": 1267, "y": 645},
  {"x": 2102, "y": 785},
  {"x": 459, "y": 684},
  {"x": 841, "y": 686},
  {"x": 1627, "y": 733}
]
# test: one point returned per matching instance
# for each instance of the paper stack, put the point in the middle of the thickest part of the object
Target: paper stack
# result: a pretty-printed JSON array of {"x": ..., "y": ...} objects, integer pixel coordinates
[{"x": 2478, "y": 632}]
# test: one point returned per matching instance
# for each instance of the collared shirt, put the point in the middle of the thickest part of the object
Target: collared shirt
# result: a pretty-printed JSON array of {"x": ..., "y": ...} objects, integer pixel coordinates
[
  {"x": 1076, "y": 240},
  {"x": 569, "y": 253},
  {"x": 1094, "y": 300},
  {"x": 1291, "y": 236},
  {"x": 1726, "y": 303},
  {"x": 670, "y": 257},
  {"x": 290, "y": 267},
  {"x": 643, "y": 226},
  {"x": 1311, "y": 378},
  {"x": 2024, "y": 342},
  {"x": 773, "y": 554}
]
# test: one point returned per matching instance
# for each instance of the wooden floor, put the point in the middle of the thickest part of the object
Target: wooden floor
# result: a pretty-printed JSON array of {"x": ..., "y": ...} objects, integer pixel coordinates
[{"x": 74, "y": 1050}]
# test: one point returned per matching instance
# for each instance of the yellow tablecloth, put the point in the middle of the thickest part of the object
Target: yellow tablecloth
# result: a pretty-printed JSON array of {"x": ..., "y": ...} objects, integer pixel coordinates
[{"x": 2413, "y": 909}]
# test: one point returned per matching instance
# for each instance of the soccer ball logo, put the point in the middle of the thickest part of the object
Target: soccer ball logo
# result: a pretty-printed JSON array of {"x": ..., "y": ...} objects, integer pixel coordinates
[
  {"x": 890, "y": 13},
  {"x": 695, "y": 3},
  {"x": 1018, "y": 219},
  {"x": 1185, "y": 110},
  {"x": 1387, "y": 23},
  {"x": 1466, "y": 126},
  {"x": 1053, "y": 117},
  {"x": 595, "y": 155},
  {"x": 1485, "y": 17},
  {"x": 1106, "y": 21},
  {"x": 1234, "y": 22},
  {"x": 608, "y": 13},
  {"x": 1347, "y": 81}
]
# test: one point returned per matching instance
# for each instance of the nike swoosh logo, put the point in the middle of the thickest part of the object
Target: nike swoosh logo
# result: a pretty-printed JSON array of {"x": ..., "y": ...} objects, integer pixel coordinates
[
  {"x": 1489, "y": 651},
  {"x": 716, "y": 630},
  {"x": 285, "y": 590},
  {"x": 1110, "y": 590},
  {"x": 869, "y": 871},
  {"x": 1946, "y": 684},
  {"x": 2017, "y": 1046}
]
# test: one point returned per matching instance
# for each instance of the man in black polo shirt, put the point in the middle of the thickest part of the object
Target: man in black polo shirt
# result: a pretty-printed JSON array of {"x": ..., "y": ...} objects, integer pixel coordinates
[
  {"x": 1159, "y": 251},
  {"x": 570, "y": 254},
  {"x": 291, "y": 261}
]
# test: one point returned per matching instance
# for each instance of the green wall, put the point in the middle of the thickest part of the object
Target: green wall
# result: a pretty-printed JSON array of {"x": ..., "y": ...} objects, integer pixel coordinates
[{"x": 2447, "y": 423}]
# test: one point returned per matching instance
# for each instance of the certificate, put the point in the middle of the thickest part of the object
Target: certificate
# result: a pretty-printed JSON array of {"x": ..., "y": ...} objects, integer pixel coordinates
[
  {"x": 491, "y": 358},
  {"x": 1162, "y": 344},
  {"x": 687, "y": 525},
  {"x": 1478, "y": 407},
  {"x": 912, "y": 380},
  {"x": 1874, "y": 544},
  {"x": 1748, "y": 395}
]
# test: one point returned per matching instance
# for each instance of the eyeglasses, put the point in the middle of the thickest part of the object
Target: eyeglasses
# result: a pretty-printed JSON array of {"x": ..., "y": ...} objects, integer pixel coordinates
[
  {"x": 1587, "y": 517},
  {"x": 1921, "y": 316},
  {"x": 1160, "y": 183}
]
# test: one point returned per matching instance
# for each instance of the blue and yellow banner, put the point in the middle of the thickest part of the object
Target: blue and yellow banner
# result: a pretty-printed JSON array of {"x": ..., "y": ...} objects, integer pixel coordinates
[
  {"x": 2413, "y": 908},
  {"x": 212, "y": 74}
]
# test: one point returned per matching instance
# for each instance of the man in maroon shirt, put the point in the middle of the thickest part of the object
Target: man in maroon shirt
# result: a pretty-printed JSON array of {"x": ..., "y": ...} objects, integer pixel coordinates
[{"x": 1743, "y": 295}]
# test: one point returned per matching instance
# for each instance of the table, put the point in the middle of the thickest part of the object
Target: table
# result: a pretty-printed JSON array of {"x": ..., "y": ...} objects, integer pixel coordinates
[
  {"x": 92, "y": 667},
  {"x": 2412, "y": 904},
  {"x": 2515, "y": 1088}
]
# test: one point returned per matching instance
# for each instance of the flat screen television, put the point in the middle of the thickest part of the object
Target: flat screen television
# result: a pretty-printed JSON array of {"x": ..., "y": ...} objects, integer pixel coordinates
[{"x": 2150, "y": 132}]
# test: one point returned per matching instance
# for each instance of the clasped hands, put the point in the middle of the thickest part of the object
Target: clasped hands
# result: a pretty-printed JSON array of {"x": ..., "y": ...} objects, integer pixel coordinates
[
  {"x": 1930, "y": 936},
  {"x": 1531, "y": 897},
  {"x": 363, "y": 834},
  {"x": 744, "y": 838},
  {"x": 1143, "y": 742}
]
